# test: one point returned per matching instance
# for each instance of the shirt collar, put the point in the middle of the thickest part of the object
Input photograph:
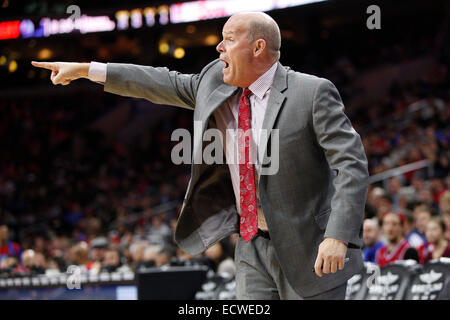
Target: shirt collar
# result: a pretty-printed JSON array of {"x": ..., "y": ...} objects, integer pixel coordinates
[{"x": 264, "y": 82}]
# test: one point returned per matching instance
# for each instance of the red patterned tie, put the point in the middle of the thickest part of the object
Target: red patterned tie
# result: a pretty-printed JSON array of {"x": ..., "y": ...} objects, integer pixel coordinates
[{"x": 249, "y": 221}]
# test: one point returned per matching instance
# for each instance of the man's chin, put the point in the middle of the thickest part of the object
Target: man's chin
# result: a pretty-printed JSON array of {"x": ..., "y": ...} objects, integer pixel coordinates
[{"x": 226, "y": 80}]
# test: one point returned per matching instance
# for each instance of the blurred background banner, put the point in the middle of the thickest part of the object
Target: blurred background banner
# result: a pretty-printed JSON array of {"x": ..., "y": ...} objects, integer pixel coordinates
[{"x": 86, "y": 177}]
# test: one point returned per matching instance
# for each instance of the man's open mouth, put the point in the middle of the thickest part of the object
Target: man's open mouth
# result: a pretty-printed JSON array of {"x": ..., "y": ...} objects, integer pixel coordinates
[{"x": 226, "y": 64}]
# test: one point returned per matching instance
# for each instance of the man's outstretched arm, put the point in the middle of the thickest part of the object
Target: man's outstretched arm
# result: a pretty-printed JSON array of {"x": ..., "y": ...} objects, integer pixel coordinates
[{"x": 158, "y": 85}]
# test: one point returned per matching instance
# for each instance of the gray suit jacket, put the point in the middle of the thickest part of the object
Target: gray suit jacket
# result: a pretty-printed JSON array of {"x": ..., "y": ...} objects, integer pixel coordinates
[{"x": 320, "y": 187}]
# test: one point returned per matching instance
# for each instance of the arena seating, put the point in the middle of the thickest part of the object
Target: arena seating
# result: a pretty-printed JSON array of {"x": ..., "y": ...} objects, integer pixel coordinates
[
  {"x": 432, "y": 283},
  {"x": 401, "y": 280}
]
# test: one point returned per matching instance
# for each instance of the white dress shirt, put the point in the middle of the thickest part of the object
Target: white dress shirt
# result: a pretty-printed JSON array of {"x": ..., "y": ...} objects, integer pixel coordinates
[{"x": 226, "y": 117}]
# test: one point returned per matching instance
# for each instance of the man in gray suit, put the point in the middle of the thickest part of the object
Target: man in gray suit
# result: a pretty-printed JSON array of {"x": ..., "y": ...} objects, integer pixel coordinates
[{"x": 309, "y": 212}]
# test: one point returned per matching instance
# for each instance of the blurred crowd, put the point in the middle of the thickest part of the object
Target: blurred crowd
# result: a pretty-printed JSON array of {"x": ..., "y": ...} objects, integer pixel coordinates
[
  {"x": 407, "y": 214},
  {"x": 68, "y": 196}
]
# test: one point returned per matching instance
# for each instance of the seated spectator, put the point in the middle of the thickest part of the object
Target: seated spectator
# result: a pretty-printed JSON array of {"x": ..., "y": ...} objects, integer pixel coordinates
[
  {"x": 53, "y": 267},
  {"x": 7, "y": 247},
  {"x": 384, "y": 206},
  {"x": 437, "y": 187},
  {"x": 97, "y": 253},
  {"x": 373, "y": 201},
  {"x": 444, "y": 210},
  {"x": 422, "y": 218},
  {"x": 27, "y": 259},
  {"x": 159, "y": 232},
  {"x": 409, "y": 229},
  {"x": 9, "y": 266},
  {"x": 112, "y": 262},
  {"x": 411, "y": 192},
  {"x": 39, "y": 244},
  {"x": 437, "y": 246},
  {"x": 394, "y": 186},
  {"x": 426, "y": 197},
  {"x": 397, "y": 248},
  {"x": 39, "y": 263},
  {"x": 79, "y": 255},
  {"x": 33, "y": 263},
  {"x": 156, "y": 256},
  {"x": 371, "y": 239},
  {"x": 416, "y": 237},
  {"x": 143, "y": 254}
]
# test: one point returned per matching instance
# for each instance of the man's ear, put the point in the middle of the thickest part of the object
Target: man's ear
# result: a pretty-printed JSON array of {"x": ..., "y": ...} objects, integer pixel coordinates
[{"x": 260, "y": 45}]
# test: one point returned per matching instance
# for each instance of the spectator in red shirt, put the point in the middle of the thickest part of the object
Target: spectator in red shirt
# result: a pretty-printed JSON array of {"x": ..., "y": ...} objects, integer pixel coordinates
[
  {"x": 397, "y": 248},
  {"x": 7, "y": 247},
  {"x": 437, "y": 246}
]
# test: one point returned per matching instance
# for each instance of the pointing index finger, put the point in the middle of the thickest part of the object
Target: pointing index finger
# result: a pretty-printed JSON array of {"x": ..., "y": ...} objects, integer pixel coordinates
[{"x": 45, "y": 65}]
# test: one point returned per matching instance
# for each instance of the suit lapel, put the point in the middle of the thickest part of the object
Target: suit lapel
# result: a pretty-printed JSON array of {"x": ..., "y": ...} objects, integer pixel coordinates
[
  {"x": 274, "y": 105},
  {"x": 215, "y": 99}
]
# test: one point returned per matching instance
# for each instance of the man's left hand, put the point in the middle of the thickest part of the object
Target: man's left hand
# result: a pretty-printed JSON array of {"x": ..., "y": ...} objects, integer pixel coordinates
[{"x": 330, "y": 257}]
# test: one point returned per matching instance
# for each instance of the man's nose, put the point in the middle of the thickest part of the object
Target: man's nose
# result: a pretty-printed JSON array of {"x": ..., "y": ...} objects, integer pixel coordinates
[{"x": 219, "y": 47}]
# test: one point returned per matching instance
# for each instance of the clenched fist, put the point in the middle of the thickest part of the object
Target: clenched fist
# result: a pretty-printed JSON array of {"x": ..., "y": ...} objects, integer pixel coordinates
[{"x": 64, "y": 72}]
